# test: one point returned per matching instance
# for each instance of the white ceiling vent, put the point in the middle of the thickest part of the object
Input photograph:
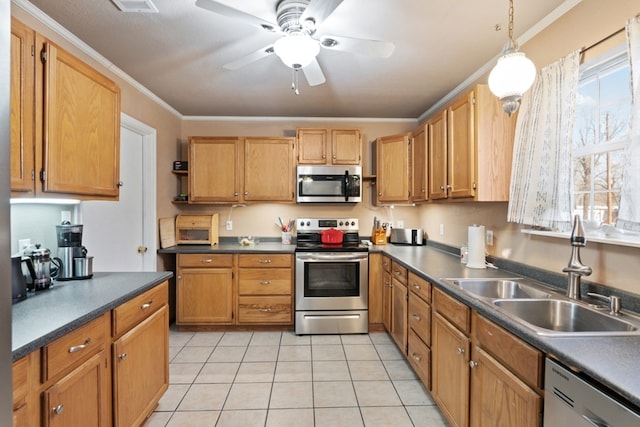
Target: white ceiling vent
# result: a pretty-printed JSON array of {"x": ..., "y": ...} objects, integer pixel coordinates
[{"x": 136, "y": 6}]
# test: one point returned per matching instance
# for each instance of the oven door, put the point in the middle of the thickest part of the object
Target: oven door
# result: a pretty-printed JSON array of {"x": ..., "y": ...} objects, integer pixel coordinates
[{"x": 332, "y": 280}]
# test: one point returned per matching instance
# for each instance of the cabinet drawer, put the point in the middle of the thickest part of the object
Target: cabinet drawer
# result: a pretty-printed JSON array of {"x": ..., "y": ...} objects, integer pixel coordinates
[
  {"x": 518, "y": 356},
  {"x": 386, "y": 264},
  {"x": 74, "y": 347},
  {"x": 20, "y": 385},
  {"x": 420, "y": 318},
  {"x": 263, "y": 281},
  {"x": 452, "y": 309},
  {"x": 419, "y": 356},
  {"x": 137, "y": 309},
  {"x": 399, "y": 272},
  {"x": 420, "y": 287},
  {"x": 264, "y": 260},
  {"x": 258, "y": 310},
  {"x": 205, "y": 260}
]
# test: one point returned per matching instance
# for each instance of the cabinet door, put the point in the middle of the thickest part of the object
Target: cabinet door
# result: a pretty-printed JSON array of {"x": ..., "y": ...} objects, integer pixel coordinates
[
  {"x": 312, "y": 146},
  {"x": 499, "y": 398},
  {"x": 269, "y": 170},
  {"x": 461, "y": 147},
  {"x": 393, "y": 169},
  {"x": 375, "y": 288},
  {"x": 399, "y": 314},
  {"x": 81, "y": 128},
  {"x": 346, "y": 147},
  {"x": 141, "y": 375},
  {"x": 204, "y": 296},
  {"x": 437, "y": 136},
  {"x": 22, "y": 108},
  {"x": 419, "y": 158},
  {"x": 81, "y": 398},
  {"x": 450, "y": 371},
  {"x": 386, "y": 300},
  {"x": 214, "y": 170}
]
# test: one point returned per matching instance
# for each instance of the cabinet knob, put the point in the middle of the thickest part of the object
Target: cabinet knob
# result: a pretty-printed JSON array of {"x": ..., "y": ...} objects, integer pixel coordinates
[
  {"x": 120, "y": 184},
  {"x": 324, "y": 157},
  {"x": 334, "y": 156},
  {"x": 416, "y": 357},
  {"x": 235, "y": 193},
  {"x": 460, "y": 350},
  {"x": 379, "y": 194},
  {"x": 246, "y": 192},
  {"x": 122, "y": 356},
  {"x": 472, "y": 364},
  {"x": 58, "y": 409}
]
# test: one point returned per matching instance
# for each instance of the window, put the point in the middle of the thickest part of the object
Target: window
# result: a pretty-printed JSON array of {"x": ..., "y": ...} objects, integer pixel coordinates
[{"x": 600, "y": 135}]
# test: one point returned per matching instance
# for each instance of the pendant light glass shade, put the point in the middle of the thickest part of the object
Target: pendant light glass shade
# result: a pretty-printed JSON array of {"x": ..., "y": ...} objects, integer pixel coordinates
[
  {"x": 512, "y": 76},
  {"x": 296, "y": 49}
]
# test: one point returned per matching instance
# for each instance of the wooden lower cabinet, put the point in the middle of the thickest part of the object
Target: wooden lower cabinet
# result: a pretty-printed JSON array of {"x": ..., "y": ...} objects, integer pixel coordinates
[
  {"x": 205, "y": 289},
  {"x": 386, "y": 300},
  {"x": 140, "y": 369},
  {"x": 450, "y": 371},
  {"x": 399, "y": 314}
]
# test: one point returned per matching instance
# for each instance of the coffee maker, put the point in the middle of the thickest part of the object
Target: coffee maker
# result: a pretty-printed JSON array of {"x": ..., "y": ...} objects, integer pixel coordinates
[{"x": 69, "y": 247}]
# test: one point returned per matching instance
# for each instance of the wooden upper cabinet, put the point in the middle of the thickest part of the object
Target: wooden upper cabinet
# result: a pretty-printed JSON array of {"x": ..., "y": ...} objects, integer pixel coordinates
[
  {"x": 419, "y": 174},
  {"x": 215, "y": 165},
  {"x": 393, "y": 169},
  {"x": 22, "y": 108},
  {"x": 321, "y": 146},
  {"x": 269, "y": 173},
  {"x": 470, "y": 149},
  {"x": 81, "y": 127}
]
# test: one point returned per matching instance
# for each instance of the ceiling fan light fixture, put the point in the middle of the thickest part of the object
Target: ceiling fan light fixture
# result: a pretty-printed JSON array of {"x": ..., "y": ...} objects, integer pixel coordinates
[
  {"x": 513, "y": 74},
  {"x": 296, "y": 50}
]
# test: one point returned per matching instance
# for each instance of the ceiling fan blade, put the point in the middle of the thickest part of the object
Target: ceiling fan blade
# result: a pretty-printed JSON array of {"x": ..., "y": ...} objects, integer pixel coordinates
[
  {"x": 319, "y": 10},
  {"x": 248, "y": 59},
  {"x": 313, "y": 73},
  {"x": 375, "y": 48},
  {"x": 230, "y": 12}
]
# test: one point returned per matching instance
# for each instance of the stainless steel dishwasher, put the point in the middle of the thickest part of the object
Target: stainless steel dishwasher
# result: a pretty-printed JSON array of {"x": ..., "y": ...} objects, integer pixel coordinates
[{"x": 571, "y": 401}]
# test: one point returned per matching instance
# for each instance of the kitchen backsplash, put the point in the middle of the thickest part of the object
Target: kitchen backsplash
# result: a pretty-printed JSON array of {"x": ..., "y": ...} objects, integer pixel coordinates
[{"x": 37, "y": 222}]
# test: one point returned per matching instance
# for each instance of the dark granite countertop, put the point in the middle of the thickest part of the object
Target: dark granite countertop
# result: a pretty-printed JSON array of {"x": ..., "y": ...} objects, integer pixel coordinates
[{"x": 47, "y": 315}]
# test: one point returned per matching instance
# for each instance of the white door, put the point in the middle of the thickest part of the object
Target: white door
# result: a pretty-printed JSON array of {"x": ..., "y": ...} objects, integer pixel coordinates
[{"x": 121, "y": 235}]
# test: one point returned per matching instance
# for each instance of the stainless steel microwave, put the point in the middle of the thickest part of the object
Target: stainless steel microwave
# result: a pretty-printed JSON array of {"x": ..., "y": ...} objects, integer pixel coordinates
[{"x": 329, "y": 184}]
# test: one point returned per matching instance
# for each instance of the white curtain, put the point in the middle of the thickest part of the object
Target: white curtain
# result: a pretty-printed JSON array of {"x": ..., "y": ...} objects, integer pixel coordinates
[
  {"x": 629, "y": 214},
  {"x": 540, "y": 193}
]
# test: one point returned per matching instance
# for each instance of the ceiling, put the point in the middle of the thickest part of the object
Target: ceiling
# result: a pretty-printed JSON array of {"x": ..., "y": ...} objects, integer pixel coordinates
[{"x": 179, "y": 53}]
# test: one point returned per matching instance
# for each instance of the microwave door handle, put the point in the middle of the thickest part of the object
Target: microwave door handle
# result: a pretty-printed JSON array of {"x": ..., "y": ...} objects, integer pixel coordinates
[{"x": 346, "y": 186}]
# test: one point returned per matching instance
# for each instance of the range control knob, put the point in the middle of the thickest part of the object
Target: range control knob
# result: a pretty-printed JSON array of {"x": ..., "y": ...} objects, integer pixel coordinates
[
  {"x": 353, "y": 223},
  {"x": 341, "y": 223}
]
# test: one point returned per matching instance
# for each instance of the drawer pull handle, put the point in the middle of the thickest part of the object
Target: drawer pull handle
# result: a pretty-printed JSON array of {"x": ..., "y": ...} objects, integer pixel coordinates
[
  {"x": 397, "y": 272},
  {"x": 80, "y": 347},
  {"x": 472, "y": 364},
  {"x": 415, "y": 316},
  {"x": 206, "y": 260},
  {"x": 146, "y": 305},
  {"x": 416, "y": 286},
  {"x": 58, "y": 409},
  {"x": 416, "y": 357},
  {"x": 265, "y": 282},
  {"x": 265, "y": 310},
  {"x": 460, "y": 350},
  {"x": 264, "y": 261},
  {"x": 122, "y": 356}
]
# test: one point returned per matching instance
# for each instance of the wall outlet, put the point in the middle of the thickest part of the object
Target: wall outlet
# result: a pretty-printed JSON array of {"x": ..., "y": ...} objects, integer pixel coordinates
[
  {"x": 229, "y": 225},
  {"x": 23, "y": 243},
  {"x": 442, "y": 229},
  {"x": 489, "y": 237},
  {"x": 400, "y": 223}
]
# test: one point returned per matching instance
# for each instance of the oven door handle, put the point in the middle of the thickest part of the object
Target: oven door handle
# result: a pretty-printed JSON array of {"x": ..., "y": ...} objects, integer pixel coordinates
[{"x": 332, "y": 256}]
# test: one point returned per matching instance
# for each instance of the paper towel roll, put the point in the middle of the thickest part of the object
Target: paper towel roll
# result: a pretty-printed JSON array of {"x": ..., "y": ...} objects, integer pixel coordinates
[{"x": 476, "y": 247}]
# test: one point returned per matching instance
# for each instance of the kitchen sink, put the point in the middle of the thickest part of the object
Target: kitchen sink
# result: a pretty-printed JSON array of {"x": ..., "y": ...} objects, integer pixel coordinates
[
  {"x": 500, "y": 288},
  {"x": 565, "y": 318}
]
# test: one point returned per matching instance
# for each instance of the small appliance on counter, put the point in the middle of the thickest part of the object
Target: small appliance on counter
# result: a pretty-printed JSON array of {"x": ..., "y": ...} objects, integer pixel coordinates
[
  {"x": 72, "y": 256},
  {"x": 407, "y": 236},
  {"x": 39, "y": 272},
  {"x": 18, "y": 281}
]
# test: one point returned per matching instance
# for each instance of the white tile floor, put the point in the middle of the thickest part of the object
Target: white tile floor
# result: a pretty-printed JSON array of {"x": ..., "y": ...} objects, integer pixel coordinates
[{"x": 278, "y": 379}]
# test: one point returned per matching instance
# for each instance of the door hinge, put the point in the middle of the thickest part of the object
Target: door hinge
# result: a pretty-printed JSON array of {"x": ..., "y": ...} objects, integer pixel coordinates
[
  {"x": 473, "y": 185},
  {"x": 43, "y": 175},
  {"x": 33, "y": 175},
  {"x": 43, "y": 56},
  {"x": 473, "y": 100},
  {"x": 33, "y": 50}
]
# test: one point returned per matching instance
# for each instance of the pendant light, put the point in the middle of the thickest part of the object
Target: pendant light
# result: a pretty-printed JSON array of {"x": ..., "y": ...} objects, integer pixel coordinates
[{"x": 514, "y": 73}]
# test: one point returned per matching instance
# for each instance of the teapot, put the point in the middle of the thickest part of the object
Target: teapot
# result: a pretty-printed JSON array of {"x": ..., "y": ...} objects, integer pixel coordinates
[{"x": 40, "y": 270}]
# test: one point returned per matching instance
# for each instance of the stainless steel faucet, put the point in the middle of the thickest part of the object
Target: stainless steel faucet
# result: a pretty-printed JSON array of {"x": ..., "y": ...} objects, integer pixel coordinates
[{"x": 575, "y": 268}]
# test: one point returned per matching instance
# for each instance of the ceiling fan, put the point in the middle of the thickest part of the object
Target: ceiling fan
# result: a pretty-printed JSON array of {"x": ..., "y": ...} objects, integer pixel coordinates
[{"x": 299, "y": 45}]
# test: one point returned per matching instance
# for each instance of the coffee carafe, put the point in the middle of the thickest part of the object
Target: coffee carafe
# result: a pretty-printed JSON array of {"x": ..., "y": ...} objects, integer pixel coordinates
[
  {"x": 40, "y": 270},
  {"x": 69, "y": 247}
]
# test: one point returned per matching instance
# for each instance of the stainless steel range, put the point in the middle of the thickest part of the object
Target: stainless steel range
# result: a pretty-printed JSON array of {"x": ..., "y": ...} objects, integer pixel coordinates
[{"x": 332, "y": 276}]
